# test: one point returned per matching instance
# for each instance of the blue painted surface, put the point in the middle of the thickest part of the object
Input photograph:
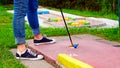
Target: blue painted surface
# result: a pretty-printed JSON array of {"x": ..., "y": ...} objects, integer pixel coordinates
[{"x": 43, "y": 12}]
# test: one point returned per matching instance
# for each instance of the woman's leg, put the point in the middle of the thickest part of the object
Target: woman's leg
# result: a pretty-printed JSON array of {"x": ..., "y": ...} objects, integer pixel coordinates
[
  {"x": 33, "y": 17},
  {"x": 33, "y": 21},
  {"x": 20, "y": 9}
]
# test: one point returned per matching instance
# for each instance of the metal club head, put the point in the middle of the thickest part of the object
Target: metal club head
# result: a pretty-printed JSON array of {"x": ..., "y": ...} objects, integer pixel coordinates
[{"x": 75, "y": 45}]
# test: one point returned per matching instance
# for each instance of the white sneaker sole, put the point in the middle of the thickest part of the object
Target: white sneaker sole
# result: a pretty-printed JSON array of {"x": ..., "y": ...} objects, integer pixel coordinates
[{"x": 40, "y": 57}]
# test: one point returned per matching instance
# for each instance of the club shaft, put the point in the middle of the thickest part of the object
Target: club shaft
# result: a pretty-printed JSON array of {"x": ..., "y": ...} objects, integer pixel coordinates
[{"x": 66, "y": 25}]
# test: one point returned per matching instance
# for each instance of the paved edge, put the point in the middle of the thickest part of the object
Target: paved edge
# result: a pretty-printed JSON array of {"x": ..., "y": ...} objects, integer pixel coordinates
[
  {"x": 70, "y": 62},
  {"x": 48, "y": 59},
  {"x": 31, "y": 63}
]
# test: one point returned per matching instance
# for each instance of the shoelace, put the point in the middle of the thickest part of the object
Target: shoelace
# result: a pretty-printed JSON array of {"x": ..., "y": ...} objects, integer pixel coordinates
[{"x": 31, "y": 52}]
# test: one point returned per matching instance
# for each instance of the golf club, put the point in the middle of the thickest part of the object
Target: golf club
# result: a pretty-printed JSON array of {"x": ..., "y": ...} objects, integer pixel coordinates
[{"x": 59, "y": 6}]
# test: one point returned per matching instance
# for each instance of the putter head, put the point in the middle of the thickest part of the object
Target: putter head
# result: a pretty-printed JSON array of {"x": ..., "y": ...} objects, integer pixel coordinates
[{"x": 75, "y": 45}]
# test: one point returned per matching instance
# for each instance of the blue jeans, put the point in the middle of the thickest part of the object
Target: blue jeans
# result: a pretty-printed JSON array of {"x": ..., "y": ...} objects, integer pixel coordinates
[{"x": 21, "y": 9}]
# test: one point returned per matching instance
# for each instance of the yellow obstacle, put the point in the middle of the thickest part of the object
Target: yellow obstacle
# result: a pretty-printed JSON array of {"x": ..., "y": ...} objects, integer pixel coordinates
[
  {"x": 59, "y": 19},
  {"x": 81, "y": 22},
  {"x": 67, "y": 19},
  {"x": 70, "y": 62},
  {"x": 75, "y": 24}
]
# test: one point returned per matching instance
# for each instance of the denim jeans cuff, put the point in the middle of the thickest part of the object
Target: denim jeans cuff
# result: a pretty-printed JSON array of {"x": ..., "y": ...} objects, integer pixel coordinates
[
  {"x": 36, "y": 31},
  {"x": 20, "y": 41}
]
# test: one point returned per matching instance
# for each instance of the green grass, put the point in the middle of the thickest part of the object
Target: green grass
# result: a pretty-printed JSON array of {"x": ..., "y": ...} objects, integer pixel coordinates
[
  {"x": 87, "y": 13},
  {"x": 7, "y": 60},
  {"x": 6, "y": 32},
  {"x": 107, "y": 33},
  {"x": 4, "y": 16},
  {"x": 91, "y": 14},
  {"x": 9, "y": 7},
  {"x": 112, "y": 34}
]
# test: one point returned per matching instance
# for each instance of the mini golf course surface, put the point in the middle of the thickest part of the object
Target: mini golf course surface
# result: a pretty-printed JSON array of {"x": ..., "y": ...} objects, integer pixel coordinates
[
  {"x": 57, "y": 21},
  {"x": 91, "y": 52}
]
